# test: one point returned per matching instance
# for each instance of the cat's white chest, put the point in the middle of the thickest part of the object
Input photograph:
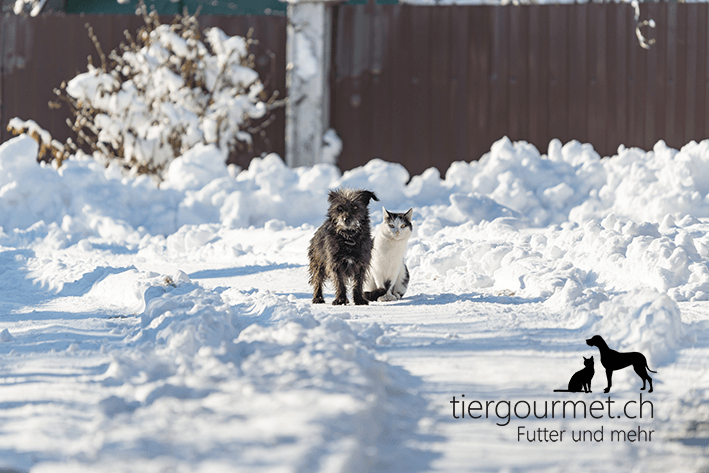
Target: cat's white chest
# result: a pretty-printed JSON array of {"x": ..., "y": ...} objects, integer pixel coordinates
[{"x": 388, "y": 253}]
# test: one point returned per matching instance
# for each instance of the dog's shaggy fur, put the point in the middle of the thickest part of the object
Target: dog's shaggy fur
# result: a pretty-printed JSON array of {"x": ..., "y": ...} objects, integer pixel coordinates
[
  {"x": 613, "y": 360},
  {"x": 342, "y": 247}
]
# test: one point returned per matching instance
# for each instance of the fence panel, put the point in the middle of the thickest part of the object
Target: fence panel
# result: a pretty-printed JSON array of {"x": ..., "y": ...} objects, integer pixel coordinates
[
  {"x": 428, "y": 85},
  {"x": 454, "y": 79}
]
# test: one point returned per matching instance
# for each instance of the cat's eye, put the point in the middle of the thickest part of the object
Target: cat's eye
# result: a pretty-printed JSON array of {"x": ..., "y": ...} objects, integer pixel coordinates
[
  {"x": 403, "y": 226},
  {"x": 391, "y": 225}
]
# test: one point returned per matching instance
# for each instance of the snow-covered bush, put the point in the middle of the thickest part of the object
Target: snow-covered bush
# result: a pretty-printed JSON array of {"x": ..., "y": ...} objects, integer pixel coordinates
[
  {"x": 167, "y": 89},
  {"x": 31, "y": 7}
]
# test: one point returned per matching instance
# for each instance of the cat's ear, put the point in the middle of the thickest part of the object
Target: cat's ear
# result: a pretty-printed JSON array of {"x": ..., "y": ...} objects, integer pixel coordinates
[
  {"x": 409, "y": 214},
  {"x": 385, "y": 214},
  {"x": 586, "y": 359}
]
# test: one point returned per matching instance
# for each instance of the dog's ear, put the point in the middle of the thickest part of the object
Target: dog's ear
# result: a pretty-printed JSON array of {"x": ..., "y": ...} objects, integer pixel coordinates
[
  {"x": 365, "y": 196},
  {"x": 332, "y": 195}
]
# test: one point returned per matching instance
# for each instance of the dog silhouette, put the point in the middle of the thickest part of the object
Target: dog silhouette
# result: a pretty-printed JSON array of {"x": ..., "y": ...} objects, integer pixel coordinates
[{"x": 613, "y": 360}]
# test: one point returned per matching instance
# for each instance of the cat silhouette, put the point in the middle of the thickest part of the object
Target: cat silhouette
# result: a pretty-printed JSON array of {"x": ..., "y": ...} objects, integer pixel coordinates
[{"x": 580, "y": 382}]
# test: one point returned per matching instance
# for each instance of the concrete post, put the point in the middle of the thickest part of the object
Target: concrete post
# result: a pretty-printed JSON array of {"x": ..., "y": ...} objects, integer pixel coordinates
[{"x": 307, "y": 79}]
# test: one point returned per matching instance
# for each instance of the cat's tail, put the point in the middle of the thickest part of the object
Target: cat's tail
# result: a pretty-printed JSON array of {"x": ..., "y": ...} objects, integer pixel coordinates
[
  {"x": 372, "y": 296},
  {"x": 562, "y": 391}
]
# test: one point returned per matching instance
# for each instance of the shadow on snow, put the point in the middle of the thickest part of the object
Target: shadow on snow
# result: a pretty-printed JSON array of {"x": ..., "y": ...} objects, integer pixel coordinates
[{"x": 240, "y": 271}]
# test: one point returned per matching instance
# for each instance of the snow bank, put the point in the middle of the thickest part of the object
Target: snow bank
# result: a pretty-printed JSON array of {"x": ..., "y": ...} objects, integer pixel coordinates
[
  {"x": 566, "y": 228},
  {"x": 630, "y": 219},
  {"x": 570, "y": 183},
  {"x": 643, "y": 321},
  {"x": 251, "y": 362}
]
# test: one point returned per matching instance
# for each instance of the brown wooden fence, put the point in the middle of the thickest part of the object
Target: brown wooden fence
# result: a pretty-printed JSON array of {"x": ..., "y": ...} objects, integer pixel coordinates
[
  {"x": 37, "y": 54},
  {"x": 426, "y": 86}
]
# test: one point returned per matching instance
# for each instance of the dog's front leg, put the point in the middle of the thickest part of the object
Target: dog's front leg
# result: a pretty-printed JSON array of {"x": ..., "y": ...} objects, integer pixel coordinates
[
  {"x": 357, "y": 295},
  {"x": 340, "y": 291},
  {"x": 317, "y": 295},
  {"x": 317, "y": 279},
  {"x": 609, "y": 375}
]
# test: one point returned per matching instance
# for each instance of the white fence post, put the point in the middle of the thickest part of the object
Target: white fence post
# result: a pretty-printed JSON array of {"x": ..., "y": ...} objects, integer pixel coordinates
[{"x": 307, "y": 80}]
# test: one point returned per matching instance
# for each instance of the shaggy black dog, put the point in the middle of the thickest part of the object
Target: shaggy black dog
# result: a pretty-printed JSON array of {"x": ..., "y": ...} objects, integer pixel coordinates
[{"x": 342, "y": 246}]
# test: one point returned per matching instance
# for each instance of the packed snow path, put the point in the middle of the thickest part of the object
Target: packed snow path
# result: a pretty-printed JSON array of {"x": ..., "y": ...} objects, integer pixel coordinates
[
  {"x": 172, "y": 328},
  {"x": 73, "y": 399}
]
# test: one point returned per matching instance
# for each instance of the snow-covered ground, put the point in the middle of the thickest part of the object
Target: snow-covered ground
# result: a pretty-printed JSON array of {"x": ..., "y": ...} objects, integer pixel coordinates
[{"x": 170, "y": 329}]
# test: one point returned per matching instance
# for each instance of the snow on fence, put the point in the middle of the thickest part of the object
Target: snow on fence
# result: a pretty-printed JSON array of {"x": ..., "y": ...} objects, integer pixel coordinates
[{"x": 428, "y": 85}]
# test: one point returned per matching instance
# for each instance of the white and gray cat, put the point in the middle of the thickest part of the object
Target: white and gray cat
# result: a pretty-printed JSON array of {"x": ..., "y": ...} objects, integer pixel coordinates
[{"x": 388, "y": 276}]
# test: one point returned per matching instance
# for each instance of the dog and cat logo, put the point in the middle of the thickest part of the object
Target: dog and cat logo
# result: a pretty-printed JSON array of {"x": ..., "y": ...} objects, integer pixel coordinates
[
  {"x": 634, "y": 411},
  {"x": 611, "y": 360}
]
